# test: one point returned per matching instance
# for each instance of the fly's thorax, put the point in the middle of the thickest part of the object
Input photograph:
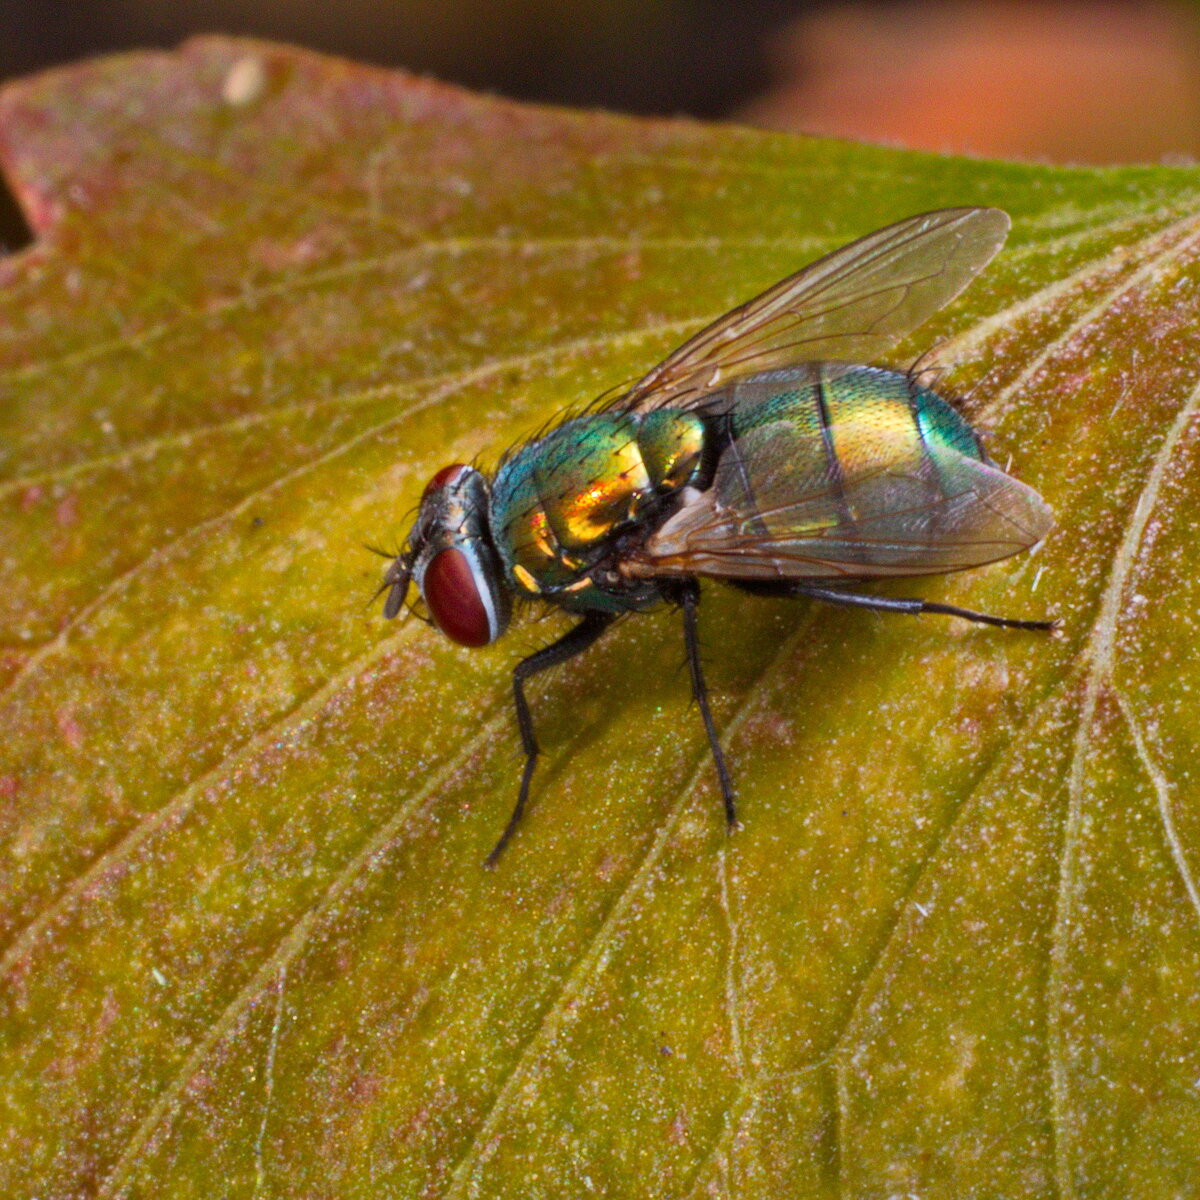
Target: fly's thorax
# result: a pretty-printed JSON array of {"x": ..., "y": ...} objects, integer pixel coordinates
[
  {"x": 450, "y": 557},
  {"x": 561, "y": 505}
]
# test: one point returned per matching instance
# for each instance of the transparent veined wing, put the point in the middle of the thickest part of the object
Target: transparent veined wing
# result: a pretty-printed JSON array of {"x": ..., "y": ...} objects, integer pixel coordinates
[
  {"x": 848, "y": 306},
  {"x": 889, "y": 502}
]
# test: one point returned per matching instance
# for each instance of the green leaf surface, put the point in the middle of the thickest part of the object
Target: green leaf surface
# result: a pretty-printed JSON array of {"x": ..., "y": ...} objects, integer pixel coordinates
[{"x": 247, "y": 945}]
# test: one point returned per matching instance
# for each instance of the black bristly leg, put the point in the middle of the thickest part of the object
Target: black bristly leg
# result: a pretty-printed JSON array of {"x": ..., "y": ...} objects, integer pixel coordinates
[
  {"x": 574, "y": 641},
  {"x": 895, "y": 604},
  {"x": 689, "y": 601}
]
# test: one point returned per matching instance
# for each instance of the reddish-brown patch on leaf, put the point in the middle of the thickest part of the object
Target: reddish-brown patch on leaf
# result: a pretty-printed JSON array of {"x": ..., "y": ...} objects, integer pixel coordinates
[
  {"x": 66, "y": 511},
  {"x": 69, "y": 728}
]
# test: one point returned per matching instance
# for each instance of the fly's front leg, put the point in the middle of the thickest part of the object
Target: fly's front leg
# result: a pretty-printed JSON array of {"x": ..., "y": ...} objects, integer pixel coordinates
[
  {"x": 895, "y": 604},
  {"x": 689, "y": 600},
  {"x": 574, "y": 641}
]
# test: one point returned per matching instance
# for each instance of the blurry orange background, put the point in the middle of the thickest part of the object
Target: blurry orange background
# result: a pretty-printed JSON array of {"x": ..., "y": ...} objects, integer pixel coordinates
[{"x": 1063, "y": 80}]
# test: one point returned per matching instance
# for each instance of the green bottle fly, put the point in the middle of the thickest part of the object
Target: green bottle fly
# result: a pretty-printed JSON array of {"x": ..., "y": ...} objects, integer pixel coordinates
[{"x": 761, "y": 453}]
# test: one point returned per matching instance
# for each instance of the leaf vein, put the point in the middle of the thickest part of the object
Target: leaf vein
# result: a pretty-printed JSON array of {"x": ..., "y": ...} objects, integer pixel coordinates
[{"x": 1162, "y": 790}]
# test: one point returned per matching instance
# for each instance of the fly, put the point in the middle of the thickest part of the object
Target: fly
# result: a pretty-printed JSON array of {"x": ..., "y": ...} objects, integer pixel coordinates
[{"x": 761, "y": 453}]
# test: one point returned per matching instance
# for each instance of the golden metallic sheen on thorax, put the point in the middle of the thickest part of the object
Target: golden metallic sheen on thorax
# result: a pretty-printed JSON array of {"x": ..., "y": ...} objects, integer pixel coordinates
[
  {"x": 595, "y": 484},
  {"x": 562, "y": 496}
]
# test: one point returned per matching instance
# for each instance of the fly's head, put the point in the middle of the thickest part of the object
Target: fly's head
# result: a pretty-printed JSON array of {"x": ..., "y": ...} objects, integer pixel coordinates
[{"x": 449, "y": 555}]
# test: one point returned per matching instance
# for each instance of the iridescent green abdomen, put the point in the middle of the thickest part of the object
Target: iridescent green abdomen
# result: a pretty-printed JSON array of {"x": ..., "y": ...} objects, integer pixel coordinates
[
  {"x": 856, "y": 417},
  {"x": 822, "y": 445},
  {"x": 559, "y": 502}
]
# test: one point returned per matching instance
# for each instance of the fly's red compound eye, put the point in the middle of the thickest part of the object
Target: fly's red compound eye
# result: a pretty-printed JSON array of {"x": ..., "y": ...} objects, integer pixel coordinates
[
  {"x": 459, "y": 600},
  {"x": 443, "y": 477}
]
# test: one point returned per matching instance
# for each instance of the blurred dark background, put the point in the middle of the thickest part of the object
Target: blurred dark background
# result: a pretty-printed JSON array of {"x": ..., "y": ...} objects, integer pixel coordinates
[{"x": 1098, "y": 81}]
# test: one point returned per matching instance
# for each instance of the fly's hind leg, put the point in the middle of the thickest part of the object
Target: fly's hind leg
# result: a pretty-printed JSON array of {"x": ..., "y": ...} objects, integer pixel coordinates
[
  {"x": 895, "y": 604},
  {"x": 574, "y": 641},
  {"x": 688, "y": 597}
]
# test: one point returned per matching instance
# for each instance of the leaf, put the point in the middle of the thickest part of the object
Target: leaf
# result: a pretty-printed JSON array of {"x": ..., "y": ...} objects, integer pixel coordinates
[{"x": 248, "y": 946}]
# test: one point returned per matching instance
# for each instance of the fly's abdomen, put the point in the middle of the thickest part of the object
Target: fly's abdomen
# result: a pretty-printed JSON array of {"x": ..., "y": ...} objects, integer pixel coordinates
[
  {"x": 561, "y": 500},
  {"x": 896, "y": 448},
  {"x": 833, "y": 446},
  {"x": 830, "y": 471}
]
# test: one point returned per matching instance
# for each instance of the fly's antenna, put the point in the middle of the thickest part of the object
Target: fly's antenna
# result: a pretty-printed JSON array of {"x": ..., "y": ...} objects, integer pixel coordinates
[
  {"x": 383, "y": 587},
  {"x": 395, "y": 580},
  {"x": 413, "y": 611},
  {"x": 395, "y": 583}
]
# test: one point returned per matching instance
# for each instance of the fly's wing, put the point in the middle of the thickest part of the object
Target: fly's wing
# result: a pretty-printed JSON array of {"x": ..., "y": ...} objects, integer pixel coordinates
[
  {"x": 903, "y": 508},
  {"x": 848, "y": 306}
]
